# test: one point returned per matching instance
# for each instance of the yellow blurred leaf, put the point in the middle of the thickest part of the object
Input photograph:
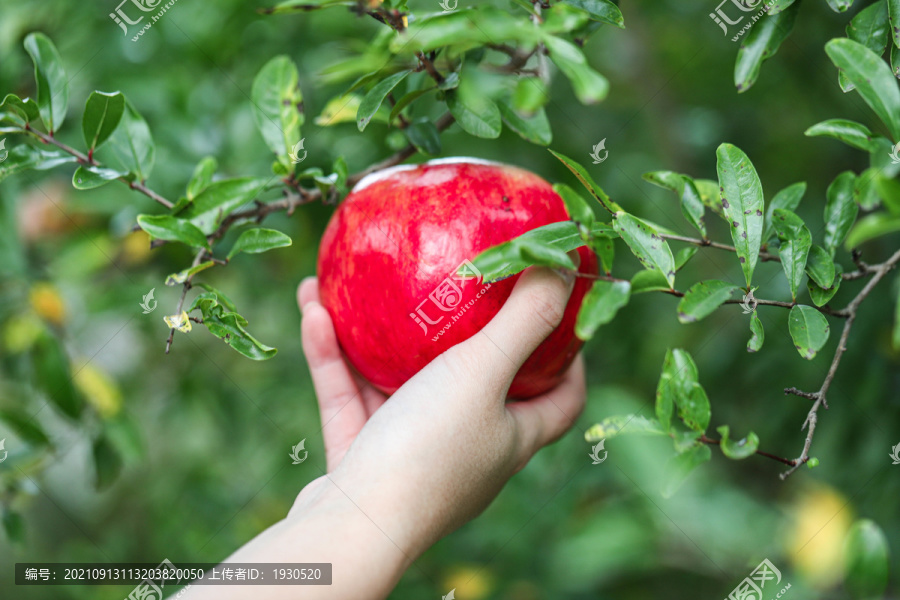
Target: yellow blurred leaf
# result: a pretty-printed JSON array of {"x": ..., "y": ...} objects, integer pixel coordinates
[
  {"x": 339, "y": 110},
  {"x": 47, "y": 303},
  {"x": 21, "y": 332},
  {"x": 99, "y": 389},
  {"x": 470, "y": 582},
  {"x": 135, "y": 248},
  {"x": 821, "y": 518}
]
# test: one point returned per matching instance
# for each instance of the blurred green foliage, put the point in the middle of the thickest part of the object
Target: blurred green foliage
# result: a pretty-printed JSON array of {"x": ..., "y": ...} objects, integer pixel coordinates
[{"x": 184, "y": 456}]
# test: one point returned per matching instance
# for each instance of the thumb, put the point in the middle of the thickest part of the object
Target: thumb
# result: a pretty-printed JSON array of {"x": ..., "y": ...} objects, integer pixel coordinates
[{"x": 533, "y": 310}]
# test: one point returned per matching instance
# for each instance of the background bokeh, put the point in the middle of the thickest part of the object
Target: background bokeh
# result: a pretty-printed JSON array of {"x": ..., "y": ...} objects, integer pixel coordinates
[{"x": 204, "y": 434}]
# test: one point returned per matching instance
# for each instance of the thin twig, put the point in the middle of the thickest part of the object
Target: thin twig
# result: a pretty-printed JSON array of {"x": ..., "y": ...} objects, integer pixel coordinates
[
  {"x": 764, "y": 256},
  {"x": 713, "y": 442},
  {"x": 184, "y": 290}
]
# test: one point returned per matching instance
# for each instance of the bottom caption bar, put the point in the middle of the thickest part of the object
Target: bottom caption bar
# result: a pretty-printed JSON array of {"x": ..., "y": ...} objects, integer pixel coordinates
[{"x": 153, "y": 578}]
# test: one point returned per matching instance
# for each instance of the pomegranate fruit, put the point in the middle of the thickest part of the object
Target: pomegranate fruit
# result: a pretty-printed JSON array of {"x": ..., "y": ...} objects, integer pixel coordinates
[{"x": 389, "y": 259}]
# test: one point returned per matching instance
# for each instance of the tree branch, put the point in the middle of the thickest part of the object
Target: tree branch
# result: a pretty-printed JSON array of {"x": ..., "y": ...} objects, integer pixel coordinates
[
  {"x": 764, "y": 256},
  {"x": 820, "y": 398},
  {"x": 184, "y": 290},
  {"x": 713, "y": 442}
]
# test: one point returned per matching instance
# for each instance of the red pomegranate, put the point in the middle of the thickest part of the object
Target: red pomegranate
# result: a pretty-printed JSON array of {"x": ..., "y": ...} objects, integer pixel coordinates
[{"x": 389, "y": 260}]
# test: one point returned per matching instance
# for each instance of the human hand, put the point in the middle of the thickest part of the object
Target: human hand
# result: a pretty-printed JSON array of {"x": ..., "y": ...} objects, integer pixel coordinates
[{"x": 441, "y": 449}]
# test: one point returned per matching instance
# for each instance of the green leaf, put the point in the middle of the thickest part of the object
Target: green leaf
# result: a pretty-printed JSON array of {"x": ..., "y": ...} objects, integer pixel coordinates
[
  {"x": 278, "y": 106},
  {"x": 509, "y": 258},
  {"x": 757, "y": 334},
  {"x": 341, "y": 109},
  {"x": 649, "y": 281},
  {"x": 684, "y": 255},
  {"x": 577, "y": 207},
  {"x": 24, "y": 426},
  {"x": 481, "y": 119},
  {"x": 821, "y": 296},
  {"x": 762, "y": 43},
  {"x": 809, "y": 329},
  {"x": 54, "y": 377},
  {"x": 132, "y": 144},
  {"x": 679, "y": 385},
  {"x": 605, "y": 249},
  {"x": 107, "y": 463},
  {"x": 840, "y": 210},
  {"x": 52, "y": 85},
  {"x": 796, "y": 241},
  {"x": 895, "y": 61},
  {"x": 692, "y": 206},
  {"x": 893, "y": 7},
  {"x": 866, "y": 561},
  {"x": 406, "y": 100},
  {"x": 850, "y": 132},
  {"x": 590, "y": 86},
  {"x": 102, "y": 114},
  {"x": 289, "y": 6},
  {"x": 680, "y": 466},
  {"x": 182, "y": 276},
  {"x": 870, "y": 28},
  {"x": 25, "y": 110},
  {"x": 872, "y": 78},
  {"x": 219, "y": 199},
  {"x": 230, "y": 327},
  {"x": 737, "y": 450},
  {"x": 611, "y": 427},
  {"x": 535, "y": 129},
  {"x": 24, "y": 157},
  {"x": 840, "y": 6},
  {"x": 166, "y": 227},
  {"x": 650, "y": 249},
  {"x": 865, "y": 190},
  {"x": 889, "y": 191},
  {"x": 588, "y": 182},
  {"x": 788, "y": 198},
  {"x": 603, "y": 11},
  {"x": 600, "y": 306},
  {"x": 461, "y": 32},
  {"x": 820, "y": 266},
  {"x": 776, "y": 6},
  {"x": 703, "y": 298},
  {"x": 423, "y": 134},
  {"x": 88, "y": 178},
  {"x": 743, "y": 204},
  {"x": 373, "y": 100},
  {"x": 202, "y": 177},
  {"x": 530, "y": 95},
  {"x": 895, "y": 338},
  {"x": 258, "y": 240},
  {"x": 220, "y": 296},
  {"x": 871, "y": 227},
  {"x": 709, "y": 195},
  {"x": 13, "y": 526}
]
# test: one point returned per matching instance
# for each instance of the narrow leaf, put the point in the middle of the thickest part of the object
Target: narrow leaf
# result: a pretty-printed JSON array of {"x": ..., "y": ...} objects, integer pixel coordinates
[
  {"x": 762, "y": 43},
  {"x": 588, "y": 182},
  {"x": 850, "y": 132},
  {"x": 102, "y": 114},
  {"x": 757, "y": 334},
  {"x": 166, "y": 227},
  {"x": 278, "y": 106},
  {"x": 52, "y": 85},
  {"x": 202, "y": 176},
  {"x": 703, "y": 298},
  {"x": 88, "y": 178},
  {"x": 258, "y": 240},
  {"x": 789, "y": 198},
  {"x": 374, "y": 99},
  {"x": 481, "y": 119},
  {"x": 650, "y": 249},
  {"x": 743, "y": 204},
  {"x": 840, "y": 210},
  {"x": 600, "y": 306}
]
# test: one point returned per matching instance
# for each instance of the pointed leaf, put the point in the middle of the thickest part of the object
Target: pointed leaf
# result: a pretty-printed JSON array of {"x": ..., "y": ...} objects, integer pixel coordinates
[
  {"x": 796, "y": 242},
  {"x": 590, "y": 86},
  {"x": 166, "y": 227},
  {"x": 743, "y": 204},
  {"x": 26, "y": 157},
  {"x": 131, "y": 144},
  {"x": 577, "y": 207},
  {"x": 258, "y": 240},
  {"x": 872, "y": 78},
  {"x": 820, "y": 266},
  {"x": 182, "y": 276},
  {"x": 373, "y": 100},
  {"x": 25, "y": 110},
  {"x": 605, "y": 249},
  {"x": 703, "y": 298},
  {"x": 278, "y": 106},
  {"x": 600, "y": 10},
  {"x": 52, "y": 85},
  {"x": 88, "y": 178},
  {"x": 535, "y": 129},
  {"x": 481, "y": 119},
  {"x": 762, "y": 43},
  {"x": 649, "y": 281},
  {"x": 850, "y": 132},
  {"x": 102, "y": 114},
  {"x": 821, "y": 296},
  {"x": 788, "y": 198},
  {"x": 219, "y": 199},
  {"x": 650, "y": 249},
  {"x": 870, "y": 28},
  {"x": 230, "y": 327},
  {"x": 840, "y": 210},
  {"x": 588, "y": 182},
  {"x": 202, "y": 176}
]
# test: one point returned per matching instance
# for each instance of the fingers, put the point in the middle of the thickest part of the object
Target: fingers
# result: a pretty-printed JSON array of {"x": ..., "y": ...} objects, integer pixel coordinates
[
  {"x": 307, "y": 292},
  {"x": 340, "y": 401},
  {"x": 533, "y": 310},
  {"x": 544, "y": 419}
]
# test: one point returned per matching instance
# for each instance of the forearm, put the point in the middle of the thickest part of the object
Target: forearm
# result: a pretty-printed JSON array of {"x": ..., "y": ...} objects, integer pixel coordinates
[{"x": 324, "y": 526}]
